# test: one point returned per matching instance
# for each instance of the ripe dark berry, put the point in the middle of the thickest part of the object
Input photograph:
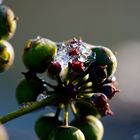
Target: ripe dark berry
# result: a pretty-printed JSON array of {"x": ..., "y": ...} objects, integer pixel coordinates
[
  {"x": 54, "y": 68},
  {"x": 73, "y": 52},
  {"x": 109, "y": 90},
  {"x": 77, "y": 66},
  {"x": 100, "y": 100}
]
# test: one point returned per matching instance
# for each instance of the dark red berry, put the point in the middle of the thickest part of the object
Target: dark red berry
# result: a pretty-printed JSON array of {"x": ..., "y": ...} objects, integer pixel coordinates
[
  {"x": 100, "y": 100},
  {"x": 109, "y": 90},
  {"x": 77, "y": 66},
  {"x": 74, "y": 51},
  {"x": 105, "y": 111},
  {"x": 54, "y": 68}
]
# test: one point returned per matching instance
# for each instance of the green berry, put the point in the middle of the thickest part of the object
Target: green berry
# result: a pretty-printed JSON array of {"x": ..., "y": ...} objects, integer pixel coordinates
[
  {"x": 44, "y": 125},
  {"x": 85, "y": 108},
  {"x": 6, "y": 55},
  {"x": 38, "y": 53},
  {"x": 105, "y": 57},
  {"x": 28, "y": 90},
  {"x": 66, "y": 133},
  {"x": 7, "y": 22},
  {"x": 91, "y": 127}
]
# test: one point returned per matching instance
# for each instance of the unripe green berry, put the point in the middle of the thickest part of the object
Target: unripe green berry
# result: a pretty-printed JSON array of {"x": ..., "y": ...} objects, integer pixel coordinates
[
  {"x": 6, "y": 55},
  {"x": 38, "y": 53},
  {"x": 44, "y": 125},
  {"x": 85, "y": 108},
  {"x": 28, "y": 90},
  {"x": 66, "y": 133},
  {"x": 7, "y": 22},
  {"x": 91, "y": 127},
  {"x": 105, "y": 57}
]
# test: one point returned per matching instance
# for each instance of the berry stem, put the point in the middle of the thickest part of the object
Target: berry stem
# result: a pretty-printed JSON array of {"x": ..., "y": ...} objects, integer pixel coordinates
[
  {"x": 66, "y": 115},
  {"x": 28, "y": 109}
]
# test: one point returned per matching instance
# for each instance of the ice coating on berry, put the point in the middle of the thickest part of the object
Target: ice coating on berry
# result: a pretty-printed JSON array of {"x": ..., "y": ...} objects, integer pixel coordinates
[{"x": 72, "y": 50}]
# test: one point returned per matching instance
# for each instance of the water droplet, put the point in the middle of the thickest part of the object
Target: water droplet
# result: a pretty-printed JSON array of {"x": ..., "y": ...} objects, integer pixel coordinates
[{"x": 41, "y": 97}]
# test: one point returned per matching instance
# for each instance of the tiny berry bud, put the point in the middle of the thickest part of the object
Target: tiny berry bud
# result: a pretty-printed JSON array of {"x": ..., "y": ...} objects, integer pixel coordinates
[
  {"x": 54, "y": 68},
  {"x": 73, "y": 52},
  {"x": 100, "y": 100},
  {"x": 109, "y": 90},
  {"x": 106, "y": 110},
  {"x": 77, "y": 66}
]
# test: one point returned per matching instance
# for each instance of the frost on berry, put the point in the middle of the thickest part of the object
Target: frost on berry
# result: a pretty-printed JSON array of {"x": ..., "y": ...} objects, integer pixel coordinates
[{"x": 82, "y": 72}]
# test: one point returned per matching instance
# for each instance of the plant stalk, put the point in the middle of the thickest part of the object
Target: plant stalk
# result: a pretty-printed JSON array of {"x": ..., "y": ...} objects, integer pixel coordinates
[
  {"x": 28, "y": 109},
  {"x": 66, "y": 115}
]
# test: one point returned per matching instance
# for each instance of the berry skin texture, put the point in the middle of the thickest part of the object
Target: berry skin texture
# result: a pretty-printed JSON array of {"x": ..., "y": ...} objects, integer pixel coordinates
[
  {"x": 38, "y": 53},
  {"x": 8, "y": 22},
  {"x": 54, "y": 68},
  {"x": 44, "y": 125},
  {"x": 66, "y": 133},
  {"x": 105, "y": 57},
  {"x": 85, "y": 108},
  {"x": 27, "y": 91},
  {"x": 6, "y": 55},
  {"x": 91, "y": 127}
]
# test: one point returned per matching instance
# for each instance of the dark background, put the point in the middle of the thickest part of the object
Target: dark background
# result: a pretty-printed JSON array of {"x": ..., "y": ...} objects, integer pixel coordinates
[{"x": 115, "y": 24}]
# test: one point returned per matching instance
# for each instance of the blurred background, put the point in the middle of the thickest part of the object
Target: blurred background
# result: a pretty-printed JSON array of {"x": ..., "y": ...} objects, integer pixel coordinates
[{"x": 115, "y": 24}]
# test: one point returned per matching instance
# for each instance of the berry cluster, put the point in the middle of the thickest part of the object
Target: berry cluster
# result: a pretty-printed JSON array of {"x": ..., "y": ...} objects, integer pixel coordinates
[
  {"x": 84, "y": 81},
  {"x": 7, "y": 30}
]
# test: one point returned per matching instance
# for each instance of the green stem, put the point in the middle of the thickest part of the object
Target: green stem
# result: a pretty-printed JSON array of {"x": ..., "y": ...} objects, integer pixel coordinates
[
  {"x": 74, "y": 110},
  {"x": 28, "y": 109},
  {"x": 66, "y": 115}
]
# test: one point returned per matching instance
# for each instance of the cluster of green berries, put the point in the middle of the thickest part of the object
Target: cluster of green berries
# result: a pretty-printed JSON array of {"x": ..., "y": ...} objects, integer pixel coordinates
[
  {"x": 7, "y": 29},
  {"x": 84, "y": 81}
]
